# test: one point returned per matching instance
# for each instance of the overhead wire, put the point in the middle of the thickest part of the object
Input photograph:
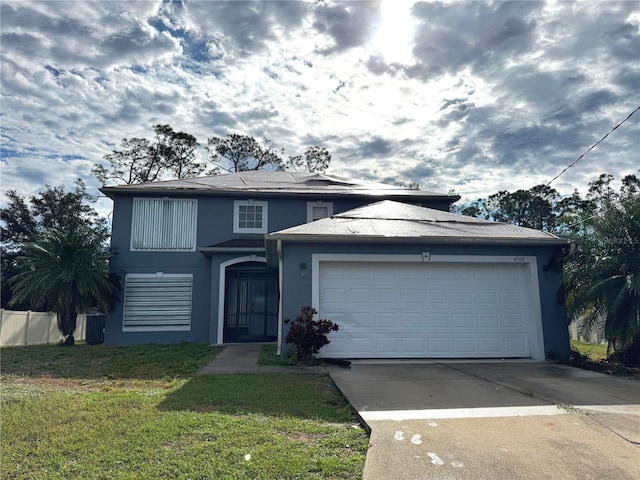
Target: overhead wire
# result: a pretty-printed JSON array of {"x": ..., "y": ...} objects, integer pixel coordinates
[{"x": 591, "y": 148}]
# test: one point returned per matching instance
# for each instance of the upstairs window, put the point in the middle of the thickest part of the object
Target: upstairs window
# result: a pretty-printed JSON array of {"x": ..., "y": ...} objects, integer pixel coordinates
[
  {"x": 249, "y": 216},
  {"x": 163, "y": 224},
  {"x": 318, "y": 210}
]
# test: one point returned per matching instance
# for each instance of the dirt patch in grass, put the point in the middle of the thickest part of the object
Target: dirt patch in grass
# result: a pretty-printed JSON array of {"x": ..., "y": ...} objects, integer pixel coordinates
[{"x": 88, "y": 385}]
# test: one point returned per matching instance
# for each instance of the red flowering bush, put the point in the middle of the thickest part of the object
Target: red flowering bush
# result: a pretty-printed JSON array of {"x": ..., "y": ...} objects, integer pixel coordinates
[{"x": 308, "y": 335}]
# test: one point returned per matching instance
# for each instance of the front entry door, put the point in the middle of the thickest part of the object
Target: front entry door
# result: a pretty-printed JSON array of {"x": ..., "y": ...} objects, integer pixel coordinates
[{"x": 251, "y": 303}]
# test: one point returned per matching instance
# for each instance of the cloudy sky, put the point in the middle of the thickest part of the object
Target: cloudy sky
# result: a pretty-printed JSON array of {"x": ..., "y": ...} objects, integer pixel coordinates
[{"x": 471, "y": 96}]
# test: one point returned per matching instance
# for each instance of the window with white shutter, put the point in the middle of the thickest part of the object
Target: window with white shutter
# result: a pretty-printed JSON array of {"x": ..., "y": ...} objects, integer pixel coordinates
[
  {"x": 155, "y": 302},
  {"x": 164, "y": 224}
]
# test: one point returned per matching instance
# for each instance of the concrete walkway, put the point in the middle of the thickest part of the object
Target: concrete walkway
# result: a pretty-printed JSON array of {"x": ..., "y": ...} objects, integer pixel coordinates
[{"x": 243, "y": 358}]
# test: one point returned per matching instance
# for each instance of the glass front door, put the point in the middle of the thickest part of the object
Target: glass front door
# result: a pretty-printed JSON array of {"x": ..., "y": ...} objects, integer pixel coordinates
[{"x": 251, "y": 303}]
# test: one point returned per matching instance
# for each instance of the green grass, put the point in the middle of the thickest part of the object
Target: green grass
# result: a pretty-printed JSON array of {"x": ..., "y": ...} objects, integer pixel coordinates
[
  {"x": 168, "y": 421},
  {"x": 102, "y": 361},
  {"x": 594, "y": 351},
  {"x": 275, "y": 394},
  {"x": 268, "y": 356}
]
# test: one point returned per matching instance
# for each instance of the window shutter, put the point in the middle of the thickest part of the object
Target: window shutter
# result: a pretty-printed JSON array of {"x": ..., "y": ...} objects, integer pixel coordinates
[
  {"x": 163, "y": 224},
  {"x": 153, "y": 301}
]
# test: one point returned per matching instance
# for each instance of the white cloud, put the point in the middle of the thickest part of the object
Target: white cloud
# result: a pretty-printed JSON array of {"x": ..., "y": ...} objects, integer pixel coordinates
[{"x": 477, "y": 96}]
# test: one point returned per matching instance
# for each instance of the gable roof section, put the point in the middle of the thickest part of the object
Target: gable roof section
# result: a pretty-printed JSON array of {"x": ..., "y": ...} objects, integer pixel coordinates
[
  {"x": 391, "y": 221},
  {"x": 264, "y": 183}
]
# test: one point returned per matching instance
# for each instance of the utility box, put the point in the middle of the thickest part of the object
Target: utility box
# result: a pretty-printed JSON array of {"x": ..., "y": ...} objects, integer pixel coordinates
[{"x": 95, "y": 328}]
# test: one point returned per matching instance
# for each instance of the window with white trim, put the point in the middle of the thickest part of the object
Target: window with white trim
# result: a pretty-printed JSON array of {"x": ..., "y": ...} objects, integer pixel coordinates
[
  {"x": 318, "y": 210},
  {"x": 164, "y": 224},
  {"x": 157, "y": 302},
  {"x": 249, "y": 216}
]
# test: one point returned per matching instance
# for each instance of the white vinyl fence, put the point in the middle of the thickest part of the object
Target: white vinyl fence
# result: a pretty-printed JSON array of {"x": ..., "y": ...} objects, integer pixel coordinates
[{"x": 33, "y": 328}]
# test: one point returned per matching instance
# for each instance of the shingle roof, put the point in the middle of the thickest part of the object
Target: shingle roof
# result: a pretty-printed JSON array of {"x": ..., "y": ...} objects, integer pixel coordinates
[
  {"x": 389, "y": 220},
  {"x": 268, "y": 183},
  {"x": 244, "y": 244}
]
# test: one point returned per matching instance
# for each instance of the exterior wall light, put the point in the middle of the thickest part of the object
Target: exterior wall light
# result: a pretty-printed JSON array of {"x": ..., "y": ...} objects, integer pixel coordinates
[{"x": 303, "y": 269}]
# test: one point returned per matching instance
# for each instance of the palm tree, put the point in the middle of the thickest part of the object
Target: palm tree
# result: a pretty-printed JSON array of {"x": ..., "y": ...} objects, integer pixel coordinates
[
  {"x": 602, "y": 275},
  {"x": 66, "y": 273}
]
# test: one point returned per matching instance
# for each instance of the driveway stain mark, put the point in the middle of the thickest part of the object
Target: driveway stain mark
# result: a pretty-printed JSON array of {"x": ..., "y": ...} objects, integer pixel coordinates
[
  {"x": 416, "y": 439},
  {"x": 399, "y": 435},
  {"x": 435, "y": 459}
]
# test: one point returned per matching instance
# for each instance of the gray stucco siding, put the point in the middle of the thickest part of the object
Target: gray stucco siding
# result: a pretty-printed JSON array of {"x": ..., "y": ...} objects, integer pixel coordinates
[
  {"x": 215, "y": 217},
  {"x": 298, "y": 290}
]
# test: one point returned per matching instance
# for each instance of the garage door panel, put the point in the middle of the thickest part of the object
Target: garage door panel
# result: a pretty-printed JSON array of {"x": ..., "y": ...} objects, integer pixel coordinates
[
  {"x": 488, "y": 345},
  {"x": 352, "y": 345},
  {"x": 516, "y": 344},
  {"x": 461, "y": 297},
  {"x": 515, "y": 320},
  {"x": 437, "y": 320},
  {"x": 481, "y": 274},
  {"x": 486, "y": 297},
  {"x": 488, "y": 321},
  {"x": 412, "y": 346},
  {"x": 384, "y": 274},
  {"x": 412, "y": 296},
  {"x": 465, "y": 346},
  {"x": 512, "y": 297},
  {"x": 462, "y": 321},
  {"x": 338, "y": 272},
  {"x": 508, "y": 275},
  {"x": 335, "y": 295},
  {"x": 411, "y": 273},
  {"x": 439, "y": 346},
  {"x": 458, "y": 272},
  {"x": 412, "y": 310},
  {"x": 388, "y": 346},
  {"x": 437, "y": 296},
  {"x": 360, "y": 295},
  {"x": 387, "y": 295},
  {"x": 387, "y": 320},
  {"x": 412, "y": 321}
]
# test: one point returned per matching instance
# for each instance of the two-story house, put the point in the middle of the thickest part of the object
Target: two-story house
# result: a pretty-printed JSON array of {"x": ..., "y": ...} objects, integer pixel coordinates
[{"x": 226, "y": 258}]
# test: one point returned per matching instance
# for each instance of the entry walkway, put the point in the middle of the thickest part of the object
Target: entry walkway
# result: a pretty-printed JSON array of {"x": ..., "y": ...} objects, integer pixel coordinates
[{"x": 243, "y": 358}]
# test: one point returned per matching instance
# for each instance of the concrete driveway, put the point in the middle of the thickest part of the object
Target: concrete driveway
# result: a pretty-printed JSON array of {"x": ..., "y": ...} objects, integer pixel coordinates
[{"x": 494, "y": 420}]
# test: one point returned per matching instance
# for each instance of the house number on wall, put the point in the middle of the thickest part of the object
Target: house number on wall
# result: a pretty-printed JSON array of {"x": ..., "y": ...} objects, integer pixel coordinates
[{"x": 518, "y": 259}]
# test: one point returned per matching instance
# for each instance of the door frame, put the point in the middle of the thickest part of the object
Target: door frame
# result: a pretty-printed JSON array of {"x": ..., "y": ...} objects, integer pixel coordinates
[
  {"x": 223, "y": 288},
  {"x": 251, "y": 303}
]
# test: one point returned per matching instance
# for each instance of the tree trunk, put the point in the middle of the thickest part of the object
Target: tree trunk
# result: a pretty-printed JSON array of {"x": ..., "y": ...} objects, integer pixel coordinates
[{"x": 67, "y": 317}]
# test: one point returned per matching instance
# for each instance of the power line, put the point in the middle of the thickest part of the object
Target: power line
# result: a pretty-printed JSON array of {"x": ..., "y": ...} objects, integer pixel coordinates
[{"x": 591, "y": 148}]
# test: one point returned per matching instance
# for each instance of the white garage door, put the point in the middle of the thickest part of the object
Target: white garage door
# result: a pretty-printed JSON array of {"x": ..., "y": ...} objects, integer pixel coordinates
[{"x": 428, "y": 310}]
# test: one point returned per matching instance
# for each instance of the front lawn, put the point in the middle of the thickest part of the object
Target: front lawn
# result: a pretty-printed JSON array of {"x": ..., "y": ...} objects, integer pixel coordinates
[{"x": 144, "y": 412}]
